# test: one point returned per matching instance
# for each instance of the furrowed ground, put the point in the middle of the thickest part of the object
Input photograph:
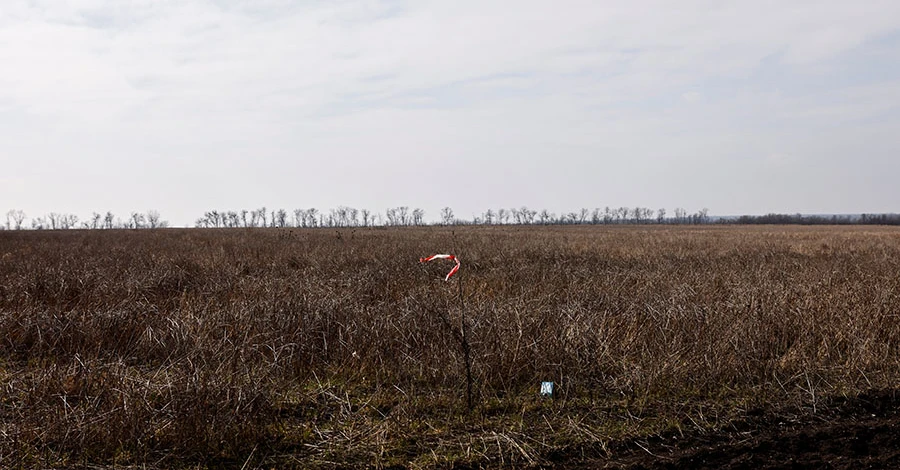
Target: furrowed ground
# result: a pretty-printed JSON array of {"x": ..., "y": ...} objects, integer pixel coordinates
[{"x": 669, "y": 346}]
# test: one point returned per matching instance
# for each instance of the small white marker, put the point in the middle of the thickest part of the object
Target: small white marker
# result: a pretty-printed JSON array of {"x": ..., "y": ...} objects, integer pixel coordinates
[{"x": 547, "y": 389}]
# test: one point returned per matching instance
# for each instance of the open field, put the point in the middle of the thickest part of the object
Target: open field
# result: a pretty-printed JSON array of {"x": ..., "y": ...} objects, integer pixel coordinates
[{"x": 700, "y": 346}]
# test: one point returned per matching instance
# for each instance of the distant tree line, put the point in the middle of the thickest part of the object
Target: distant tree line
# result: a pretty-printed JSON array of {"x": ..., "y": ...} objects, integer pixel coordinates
[
  {"x": 799, "y": 219},
  {"x": 584, "y": 216},
  {"x": 15, "y": 220},
  {"x": 310, "y": 218},
  {"x": 406, "y": 216}
]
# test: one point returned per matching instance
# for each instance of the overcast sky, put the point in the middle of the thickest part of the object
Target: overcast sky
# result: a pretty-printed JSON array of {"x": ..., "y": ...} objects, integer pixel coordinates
[{"x": 188, "y": 105}]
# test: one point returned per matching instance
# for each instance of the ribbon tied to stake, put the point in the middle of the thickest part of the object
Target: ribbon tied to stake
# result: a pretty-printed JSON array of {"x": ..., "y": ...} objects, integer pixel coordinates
[{"x": 450, "y": 257}]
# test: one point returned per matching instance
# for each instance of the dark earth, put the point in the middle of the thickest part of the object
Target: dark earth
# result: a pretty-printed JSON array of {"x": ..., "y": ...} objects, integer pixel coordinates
[
  {"x": 857, "y": 433},
  {"x": 844, "y": 433}
]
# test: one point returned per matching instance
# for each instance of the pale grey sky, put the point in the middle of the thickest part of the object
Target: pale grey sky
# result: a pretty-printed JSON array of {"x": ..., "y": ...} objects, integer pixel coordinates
[{"x": 189, "y": 105}]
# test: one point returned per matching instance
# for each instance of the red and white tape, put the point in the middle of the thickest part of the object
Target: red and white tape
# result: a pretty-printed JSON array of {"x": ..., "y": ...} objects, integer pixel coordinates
[{"x": 450, "y": 257}]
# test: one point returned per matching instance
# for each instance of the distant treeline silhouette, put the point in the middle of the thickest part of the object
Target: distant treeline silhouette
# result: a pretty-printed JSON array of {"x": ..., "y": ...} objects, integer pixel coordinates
[
  {"x": 15, "y": 220},
  {"x": 799, "y": 219},
  {"x": 405, "y": 216},
  {"x": 402, "y": 216}
]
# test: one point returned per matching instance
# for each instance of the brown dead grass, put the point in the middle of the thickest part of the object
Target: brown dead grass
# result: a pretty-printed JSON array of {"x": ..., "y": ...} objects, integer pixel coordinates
[{"x": 325, "y": 348}]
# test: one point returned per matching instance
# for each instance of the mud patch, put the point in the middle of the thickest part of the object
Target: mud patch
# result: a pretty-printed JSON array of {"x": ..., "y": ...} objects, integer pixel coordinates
[{"x": 862, "y": 432}]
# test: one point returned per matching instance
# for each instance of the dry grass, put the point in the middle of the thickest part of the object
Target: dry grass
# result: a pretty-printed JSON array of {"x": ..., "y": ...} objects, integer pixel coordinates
[{"x": 327, "y": 348}]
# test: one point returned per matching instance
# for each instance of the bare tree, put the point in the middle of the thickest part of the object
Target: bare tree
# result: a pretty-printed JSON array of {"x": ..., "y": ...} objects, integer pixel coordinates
[
  {"x": 61, "y": 221},
  {"x": 281, "y": 218},
  {"x": 67, "y": 221},
  {"x": 366, "y": 217},
  {"x": 608, "y": 215},
  {"x": 234, "y": 219},
  {"x": 339, "y": 216},
  {"x": 702, "y": 216},
  {"x": 489, "y": 217},
  {"x": 213, "y": 219},
  {"x": 16, "y": 217},
  {"x": 502, "y": 216},
  {"x": 545, "y": 217},
  {"x": 447, "y": 216},
  {"x": 345, "y": 216},
  {"x": 636, "y": 214},
  {"x": 527, "y": 215},
  {"x": 138, "y": 220},
  {"x": 392, "y": 217},
  {"x": 154, "y": 220},
  {"x": 518, "y": 216},
  {"x": 39, "y": 223},
  {"x": 661, "y": 215},
  {"x": 418, "y": 216}
]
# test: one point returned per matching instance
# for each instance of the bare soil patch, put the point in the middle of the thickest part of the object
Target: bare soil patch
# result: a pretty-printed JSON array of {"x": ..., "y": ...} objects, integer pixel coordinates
[{"x": 854, "y": 433}]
